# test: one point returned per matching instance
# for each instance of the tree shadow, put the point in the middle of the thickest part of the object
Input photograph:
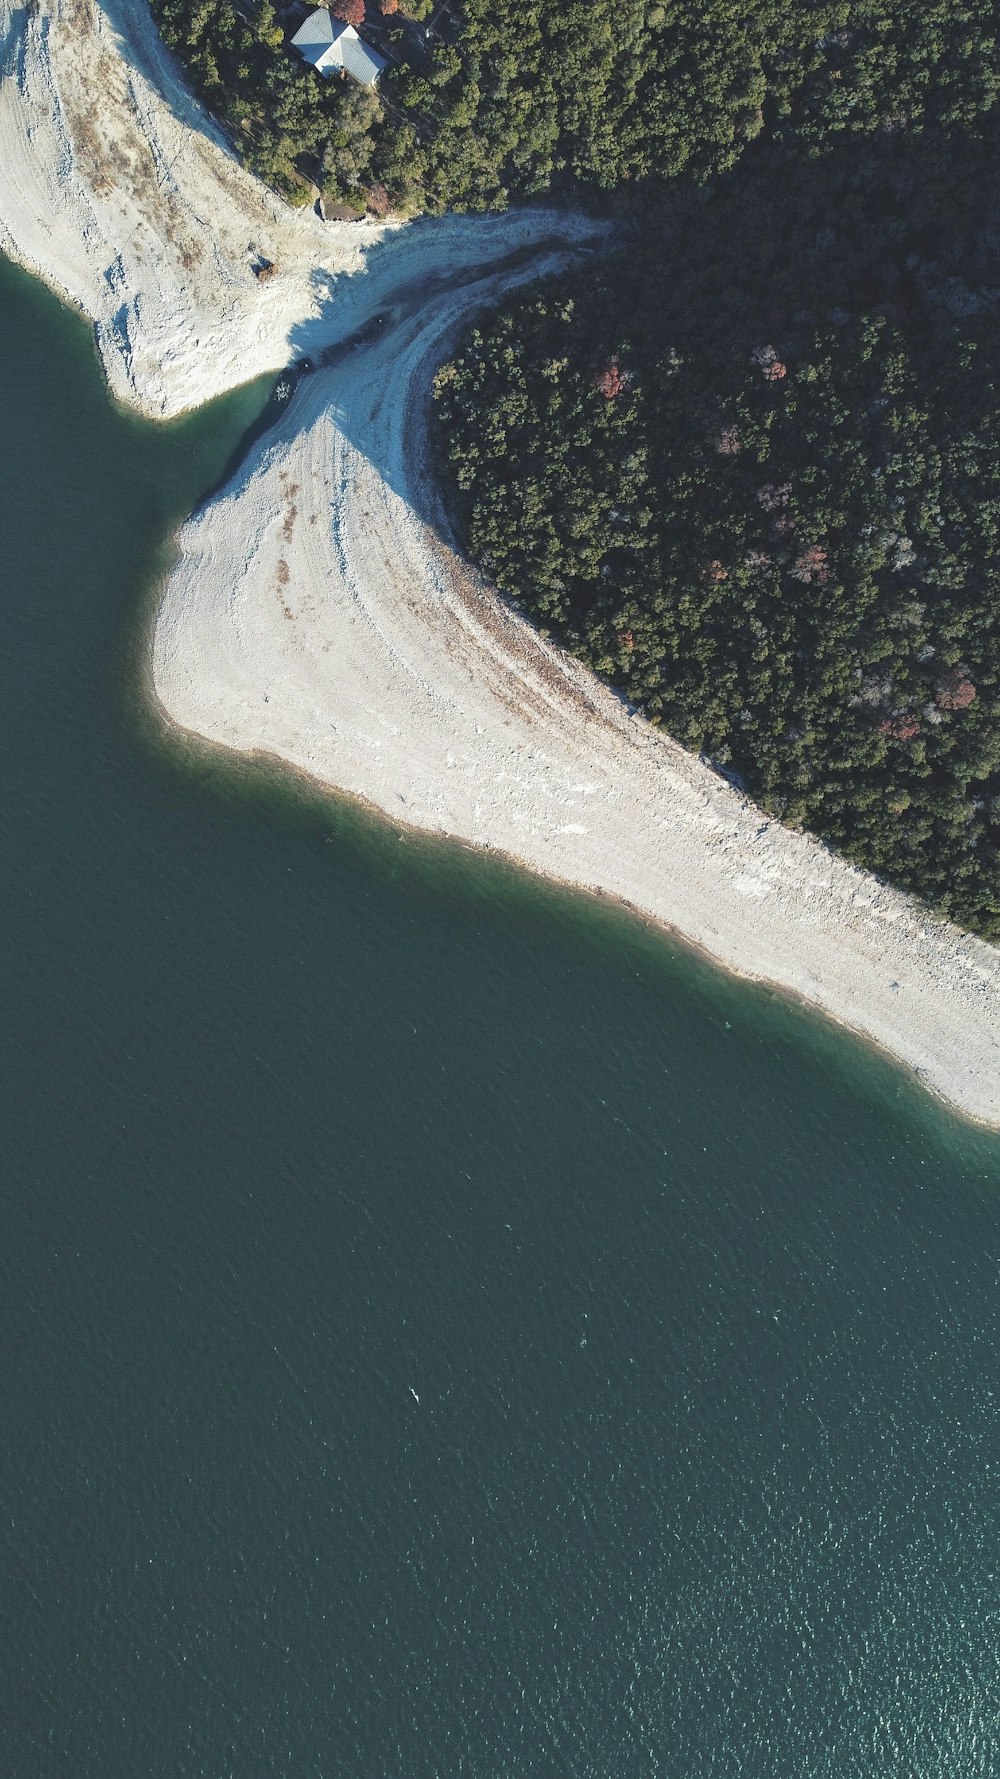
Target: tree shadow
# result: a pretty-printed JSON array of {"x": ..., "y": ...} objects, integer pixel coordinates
[
  {"x": 143, "y": 50},
  {"x": 381, "y": 318},
  {"x": 450, "y": 262},
  {"x": 13, "y": 41}
]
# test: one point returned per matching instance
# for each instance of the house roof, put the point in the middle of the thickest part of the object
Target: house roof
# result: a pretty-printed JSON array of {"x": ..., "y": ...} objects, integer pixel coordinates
[{"x": 330, "y": 44}]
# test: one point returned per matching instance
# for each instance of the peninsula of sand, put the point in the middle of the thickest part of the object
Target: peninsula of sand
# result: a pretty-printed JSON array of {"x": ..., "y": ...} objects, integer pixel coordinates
[{"x": 316, "y": 612}]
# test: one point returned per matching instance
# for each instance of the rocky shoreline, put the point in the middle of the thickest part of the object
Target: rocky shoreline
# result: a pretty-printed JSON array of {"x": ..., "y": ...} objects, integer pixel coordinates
[{"x": 315, "y": 613}]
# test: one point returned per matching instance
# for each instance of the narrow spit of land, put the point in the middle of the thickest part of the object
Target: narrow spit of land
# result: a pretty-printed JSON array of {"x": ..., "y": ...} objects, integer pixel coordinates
[{"x": 315, "y": 614}]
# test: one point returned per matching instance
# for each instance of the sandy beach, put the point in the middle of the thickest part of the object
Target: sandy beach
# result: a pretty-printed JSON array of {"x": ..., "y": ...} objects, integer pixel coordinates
[{"x": 316, "y": 613}]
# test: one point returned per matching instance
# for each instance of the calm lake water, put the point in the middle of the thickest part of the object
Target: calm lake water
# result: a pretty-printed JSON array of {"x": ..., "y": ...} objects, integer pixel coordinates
[{"x": 302, "y": 1122}]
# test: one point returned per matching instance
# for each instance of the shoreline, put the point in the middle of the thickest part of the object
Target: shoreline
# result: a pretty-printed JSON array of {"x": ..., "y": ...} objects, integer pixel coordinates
[
  {"x": 275, "y": 769},
  {"x": 136, "y": 213},
  {"x": 315, "y": 617},
  {"x": 353, "y": 644}
]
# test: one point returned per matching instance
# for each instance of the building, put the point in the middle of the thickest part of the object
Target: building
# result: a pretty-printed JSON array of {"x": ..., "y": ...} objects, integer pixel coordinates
[{"x": 330, "y": 45}]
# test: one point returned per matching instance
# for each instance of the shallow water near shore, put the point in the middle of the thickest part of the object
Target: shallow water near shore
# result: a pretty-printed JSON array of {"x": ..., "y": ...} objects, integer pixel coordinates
[{"x": 449, "y": 1329}]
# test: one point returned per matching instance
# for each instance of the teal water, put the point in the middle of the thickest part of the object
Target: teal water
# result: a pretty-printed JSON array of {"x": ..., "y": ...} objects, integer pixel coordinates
[{"x": 698, "y": 1297}]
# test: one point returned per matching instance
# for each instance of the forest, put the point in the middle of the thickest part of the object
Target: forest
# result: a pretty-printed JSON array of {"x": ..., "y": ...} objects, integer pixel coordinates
[
  {"x": 489, "y": 101},
  {"x": 748, "y": 469}
]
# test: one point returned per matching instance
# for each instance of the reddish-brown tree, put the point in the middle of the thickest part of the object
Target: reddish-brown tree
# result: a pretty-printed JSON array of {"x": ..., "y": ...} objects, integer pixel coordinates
[
  {"x": 811, "y": 565},
  {"x": 351, "y": 11},
  {"x": 901, "y": 728},
  {"x": 610, "y": 381},
  {"x": 388, "y": 7},
  {"x": 955, "y": 691}
]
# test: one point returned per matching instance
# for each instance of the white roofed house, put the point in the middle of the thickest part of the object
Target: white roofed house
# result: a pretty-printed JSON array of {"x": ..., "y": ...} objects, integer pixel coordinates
[{"x": 331, "y": 46}]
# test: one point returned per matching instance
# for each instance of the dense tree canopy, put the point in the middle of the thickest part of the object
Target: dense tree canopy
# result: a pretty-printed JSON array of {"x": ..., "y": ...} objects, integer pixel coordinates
[
  {"x": 487, "y": 100},
  {"x": 750, "y": 472}
]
